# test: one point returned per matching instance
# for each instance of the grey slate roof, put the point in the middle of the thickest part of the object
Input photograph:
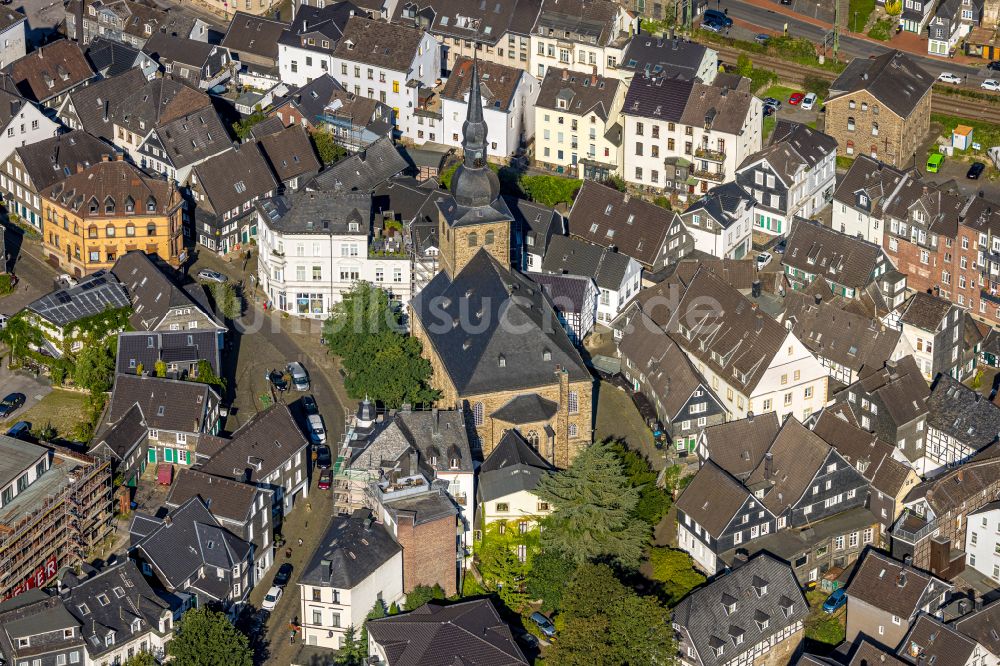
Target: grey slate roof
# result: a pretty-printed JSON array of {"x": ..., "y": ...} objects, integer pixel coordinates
[
  {"x": 93, "y": 295},
  {"x": 469, "y": 632},
  {"x": 650, "y": 56},
  {"x": 519, "y": 326},
  {"x": 31, "y": 613},
  {"x": 318, "y": 213},
  {"x": 111, "y": 58},
  {"x": 723, "y": 203},
  {"x": 893, "y": 78},
  {"x": 439, "y": 435},
  {"x": 166, "y": 404},
  {"x": 50, "y": 160},
  {"x": 526, "y": 408},
  {"x": 962, "y": 413},
  {"x": 231, "y": 178},
  {"x": 363, "y": 171},
  {"x": 256, "y": 35},
  {"x": 95, "y": 104},
  {"x": 819, "y": 250},
  {"x": 739, "y": 446},
  {"x": 148, "y": 347},
  {"x": 982, "y": 626},
  {"x": 797, "y": 456},
  {"x": 867, "y": 453},
  {"x": 352, "y": 549},
  {"x": 925, "y": 311},
  {"x": 271, "y": 437},
  {"x": 574, "y": 256},
  {"x": 225, "y": 498},
  {"x": 583, "y": 94},
  {"x": 122, "y": 436},
  {"x": 717, "y": 107},
  {"x": 538, "y": 223},
  {"x": 881, "y": 183},
  {"x": 604, "y": 216},
  {"x": 391, "y": 46},
  {"x": 489, "y": 21},
  {"x": 762, "y": 589},
  {"x": 712, "y": 498},
  {"x": 512, "y": 466},
  {"x": 935, "y": 642},
  {"x": 290, "y": 153},
  {"x": 568, "y": 293},
  {"x": 191, "y": 138},
  {"x": 318, "y": 23},
  {"x": 881, "y": 581},
  {"x": 792, "y": 147},
  {"x": 151, "y": 292},
  {"x": 660, "y": 98}
]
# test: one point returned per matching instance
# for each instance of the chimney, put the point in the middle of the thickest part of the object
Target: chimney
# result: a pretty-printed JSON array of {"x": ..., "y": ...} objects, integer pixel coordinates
[
  {"x": 119, "y": 156},
  {"x": 168, "y": 521},
  {"x": 565, "y": 75},
  {"x": 961, "y": 474},
  {"x": 768, "y": 465},
  {"x": 105, "y": 158},
  {"x": 79, "y": 167},
  {"x": 901, "y": 579},
  {"x": 818, "y": 298}
]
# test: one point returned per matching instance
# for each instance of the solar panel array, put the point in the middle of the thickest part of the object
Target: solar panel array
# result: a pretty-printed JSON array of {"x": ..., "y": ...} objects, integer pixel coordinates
[{"x": 93, "y": 295}]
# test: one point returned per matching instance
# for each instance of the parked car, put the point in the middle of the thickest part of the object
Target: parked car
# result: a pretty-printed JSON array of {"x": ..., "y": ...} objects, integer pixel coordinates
[
  {"x": 309, "y": 405},
  {"x": 544, "y": 623},
  {"x": 763, "y": 259},
  {"x": 762, "y": 38},
  {"x": 325, "y": 479},
  {"x": 808, "y": 101},
  {"x": 934, "y": 162},
  {"x": 994, "y": 66},
  {"x": 11, "y": 404},
  {"x": 787, "y": 3},
  {"x": 975, "y": 171},
  {"x": 795, "y": 98},
  {"x": 283, "y": 575},
  {"x": 3, "y": 321},
  {"x": 323, "y": 457},
  {"x": 990, "y": 84},
  {"x": 300, "y": 378},
  {"x": 835, "y": 600},
  {"x": 948, "y": 77},
  {"x": 278, "y": 381},
  {"x": 711, "y": 27},
  {"x": 771, "y": 101},
  {"x": 780, "y": 247},
  {"x": 717, "y": 17},
  {"x": 317, "y": 429},
  {"x": 211, "y": 276},
  {"x": 769, "y": 110},
  {"x": 19, "y": 430},
  {"x": 271, "y": 598}
]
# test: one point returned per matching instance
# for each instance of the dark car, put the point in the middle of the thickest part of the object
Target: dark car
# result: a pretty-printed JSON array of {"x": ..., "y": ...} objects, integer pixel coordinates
[
  {"x": 309, "y": 404},
  {"x": 975, "y": 171},
  {"x": 19, "y": 430},
  {"x": 283, "y": 575},
  {"x": 11, "y": 404},
  {"x": 720, "y": 19},
  {"x": 769, "y": 110},
  {"x": 994, "y": 66},
  {"x": 278, "y": 380},
  {"x": 323, "y": 458},
  {"x": 786, "y": 2},
  {"x": 835, "y": 601},
  {"x": 771, "y": 101}
]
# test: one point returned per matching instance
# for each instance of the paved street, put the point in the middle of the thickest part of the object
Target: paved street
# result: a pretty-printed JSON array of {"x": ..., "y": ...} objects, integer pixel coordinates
[
  {"x": 21, "y": 382},
  {"x": 35, "y": 277},
  {"x": 43, "y": 17}
]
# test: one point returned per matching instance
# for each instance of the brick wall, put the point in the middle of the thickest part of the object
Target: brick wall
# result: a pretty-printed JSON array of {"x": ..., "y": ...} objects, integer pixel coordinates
[
  {"x": 429, "y": 553},
  {"x": 898, "y": 138}
]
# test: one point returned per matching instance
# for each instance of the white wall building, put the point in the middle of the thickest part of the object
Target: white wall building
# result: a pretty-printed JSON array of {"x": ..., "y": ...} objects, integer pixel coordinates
[
  {"x": 591, "y": 44},
  {"x": 12, "y": 36},
  {"x": 864, "y": 196},
  {"x": 720, "y": 222},
  {"x": 982, "y": 541},
  {"x": 22, "y": 124}
]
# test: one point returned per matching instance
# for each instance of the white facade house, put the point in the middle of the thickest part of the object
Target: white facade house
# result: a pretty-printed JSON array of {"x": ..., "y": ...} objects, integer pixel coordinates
[
  {"x": 314, "y": 247},
  {"x": 509, "y": 95},
  {"x": 865, "y": 195},
  {"x": 389, "y": 63},
  {"x": 720, "y": 222},
  {"x": 23, "y": 124},
  {"x": 982, "y": 541},
  {"x": 12, "y": 36},
  {"x": 590, "y": 44}
]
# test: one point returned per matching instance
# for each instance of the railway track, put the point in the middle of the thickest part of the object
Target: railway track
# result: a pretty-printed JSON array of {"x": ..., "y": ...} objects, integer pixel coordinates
[{"x": 964, "y": 107}]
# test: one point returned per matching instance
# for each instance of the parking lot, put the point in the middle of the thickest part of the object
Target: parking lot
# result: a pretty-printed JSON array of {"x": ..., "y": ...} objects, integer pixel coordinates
[{"x": 34, "y": 391}]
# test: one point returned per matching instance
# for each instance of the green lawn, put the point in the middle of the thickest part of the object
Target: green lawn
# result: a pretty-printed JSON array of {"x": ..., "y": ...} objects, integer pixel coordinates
[
  {"x": 844, "y": 162},
  {"x": 823, "y": 628},
  {"x": 618, "y": 418},
  {"x": 781, "y": 93},
  {"x": 61, "y": 408},
  {"x": 985, "y": 134},
  {"x": 863, "y": 8},
  {"x": 769, "y": 123}
]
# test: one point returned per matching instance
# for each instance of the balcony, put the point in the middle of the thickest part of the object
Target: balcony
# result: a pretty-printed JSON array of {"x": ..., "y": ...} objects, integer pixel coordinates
[
  {"x": 706, "y": 153},
  {"x": 715, "y": 176}
]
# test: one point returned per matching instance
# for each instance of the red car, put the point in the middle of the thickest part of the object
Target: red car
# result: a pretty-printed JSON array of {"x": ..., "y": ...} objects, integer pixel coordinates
[
  {"x": 325, "y": 478},
  {"x": 795, "y": 98}
]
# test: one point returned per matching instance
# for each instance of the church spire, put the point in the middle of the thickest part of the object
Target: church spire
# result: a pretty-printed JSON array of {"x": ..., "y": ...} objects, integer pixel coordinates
[{"x": 474, "y": 127}]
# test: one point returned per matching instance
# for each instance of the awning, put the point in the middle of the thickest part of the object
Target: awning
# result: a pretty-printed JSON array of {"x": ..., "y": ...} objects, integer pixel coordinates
[{"x": 164, "y": 474}]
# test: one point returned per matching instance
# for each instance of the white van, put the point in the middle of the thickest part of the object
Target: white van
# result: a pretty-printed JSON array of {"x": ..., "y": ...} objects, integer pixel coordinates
[{"x": 300, "y": 378}]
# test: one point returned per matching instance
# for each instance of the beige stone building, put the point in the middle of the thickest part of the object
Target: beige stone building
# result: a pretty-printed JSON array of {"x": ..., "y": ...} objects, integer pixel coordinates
[
  {"x": 496, "y": 347},
  {"x": 881, "y": 108}
]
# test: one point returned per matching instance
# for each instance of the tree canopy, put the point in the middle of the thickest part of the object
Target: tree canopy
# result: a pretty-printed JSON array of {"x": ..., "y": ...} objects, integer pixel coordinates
[
  {"x": 95, "y": 367},
  {"x": 547, "y": 579},
  {"x": 204, "y": 637},
  {"x": 594, "y": 510},
  {"x": 379, "y": 361},
  {"x": 421, "y": 594},
  {"x": 674, "y": 569},
  {"x": 497, "y": 559},
  {"x": 327, "y": 148}
]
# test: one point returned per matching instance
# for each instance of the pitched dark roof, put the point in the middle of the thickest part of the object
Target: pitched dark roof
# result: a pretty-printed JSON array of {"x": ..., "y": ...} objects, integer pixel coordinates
[
  {"x": 469, "y": 632},
  {"x": 93, "y": 294},
  {"x": 225, "y": 498},
  {"x": 819, "y": 250},
  {"x": 659, "y": 98},
  {"x": 867, "y": 653},
  {"x": 231, "y": 178},
  {"x": 290, "y": 153},
  {"x": 123, "y": 435},
  {"x": 955, "y": 487},
  {"x": 767, "y": 598},
  {"x": 604, "y": 216},
  {"x": 712, "y": 498},
  {"x": 388, "y": 45},
  {"x": 568, "y": 293},
  {"x": 111, "y": 58},
  {"x": 880, "y": 182},
  {"x": 925, "y": 311},
  {"x": 48, "y": 161},
  {"x": 485, "y": 23},
  {"x": 117, "y": 181},
  {"x": 582, "y": 94},
  {"x": 363, "y": 171},
  {"x": 793, "y": 147},
  {"x": 725, "y": 203},
  {"x": 651, "y": 56},
  {"x": 148, "y": 347},
  {"x": 891, "y": 586},
  {"x": 962, "y": 413},
  {"x": 318, "y": 24},
  {"x": 190, "y": 138},
  {"x": 519, "y": 328},
  {"x": 51, "y": 70},
  {"x": 797, "y": 455},
  {"x": 930, "y": 640},
  {"x": 175, "y": 48},
  {"x": 538, "y": 223},
  {"x": 717, "y": 107},
  {"x": 897, "y": 386},
  {"x": 574, "y": 256},
  {"x": 867, "y": 453},
  {"x": 526, "y": 408},
  {"x": 95, "y": 104},
  {"x": 318, "y": 213},
  {"x": 893, "y": 78},
  {"x": 270, "y": 438},
  {"x": 498, "y": 83},
  {"x": 151, "y": 292},
  {"x": 256, "y": 35},
  {"x": 739, "y": 446},
  {"x": 353, "y": 548},
  {"x": 587, "y": 21},
  {"x": 166, "y": 404},
  {"x": 512, "y": 466},
  {"x": 982, "y": 626}
]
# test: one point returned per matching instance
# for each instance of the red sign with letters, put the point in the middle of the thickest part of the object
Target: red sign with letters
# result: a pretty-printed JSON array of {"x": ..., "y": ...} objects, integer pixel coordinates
[{"x": 42, "y": 575}]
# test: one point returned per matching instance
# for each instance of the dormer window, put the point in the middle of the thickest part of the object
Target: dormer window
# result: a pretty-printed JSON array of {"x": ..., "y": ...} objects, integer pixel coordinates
[
  {"x": 69, "y": 633},
  {"x": 546, "y": 355},
  {"x": 151, "y": 205},
  {"x": 136, "y": 625},
  {"x": 863, "y": 200},
  {"x": 109, "y": 639},
  {"x": 23, "y": 642},
  {"x": 502, "y": 361}
]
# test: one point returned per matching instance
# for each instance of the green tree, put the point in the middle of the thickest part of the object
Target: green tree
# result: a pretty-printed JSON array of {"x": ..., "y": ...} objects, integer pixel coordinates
[
  {"x": 498, "y": 562},
  {"x": 550, "y": 190},
  {"x": 326, "y": 145},
  {"x": 380, "y": 362},
  {"x": 95, "y": 367},
  {"x": 243, "y": 127},
  {"x": 817, "y": 85},
  {"x": 615, "y": 182},
  {"x": 17, "y": 335},
  {"x": 204, "y": 637},
  {"x": 744, "y": 65},
  {"x": 421, "y": 594},
  {"x": 354, "y": 651},
  {"x": 594, "y": 510},
  {"x": 893, "y": 7},
  {"x": 160, "y": 369},
  {"x": 206, "y": 375},
  {"x": 227, "y": 301},
  {"x": 654, "y": 502},
  {"x": 141, "y": 659},
  {"x": 676, "y": 571},
  {"x": 604, "y": 622},
  {"x": 547, "y": 578},
  {"x": 6, "y": 283}
]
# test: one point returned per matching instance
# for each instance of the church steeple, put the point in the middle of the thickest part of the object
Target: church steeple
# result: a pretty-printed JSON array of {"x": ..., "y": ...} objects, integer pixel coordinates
[{"x": 474, "y": 183}]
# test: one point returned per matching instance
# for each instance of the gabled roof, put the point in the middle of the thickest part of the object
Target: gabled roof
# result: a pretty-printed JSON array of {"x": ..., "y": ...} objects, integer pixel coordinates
[
  {"x": 880, "y": 183},
  {"x": 739, "y": 446},
  {"x": 580, "y": 94},
  {"x": 225, "y": 498},
  {"x": 893, "y": 78},
  {"x": 962, "y": 413},
  {"x": 232, "y": 178},
  {"x": 485, "y": 22},
  {"x": 147, "y": 347},
  {"x": 438, "y": 435},
  {"x": 314, "y": 25},
  {"x": 353, "y": 548},
  {"x": 648, "y": 55},
  {"x": 724, "y": 203},
  {"x": 567, "y": 255},
  {"x": 511, "y": 467},
  {"x": 256, "y": 35},
  {"x": 151, "y": 292},
  {"x": 952, "y": 489},
  {"x": 766, "y": 596},
  {"x": 180, "y": 49},
  {"x": 189, "y": 139},
  {"x": 926, "y": 312},
  {"x": 897, "y": 387},
  {"x": 260, "y": 446},
  {"x": 892, "y": 586},
  {"x": 795, "y": 457},
  {"x": 290, "y": 153},
  {"x": 118, "y": 183},
  {"x": 166, "y": 404},
  {"x": 538, "y": 223},
  {"x": 982, "y": 626},
  {"x": 568, "y": 293},
  {"x": 717, "y": 107},
  {"x": 388, "y": 45},
  {"x": 51, "y": 70},
  {"x": 48, "y": 161},
  {"x": 468, "y": 632},
  {"x": 659, "y": 98},
  {"x": 498, "y": 83},
  {"x": 793, "y": 147},
  {"x": 867, "y": 453},
  {"x": 586, "y": 21},
  {"x": 123, "y": 436},
  {"x": 95, "y": 104},
  {"x": 712, "y": 498},
  {"x": 604, "y": 216},
  {"x": 363, "y": 171},
  {"x": 93, "y": 295},
  {"x": 531, "y": 357},
  {"x": 931, "y": 641},
  {"x": 819, "y": 250}
]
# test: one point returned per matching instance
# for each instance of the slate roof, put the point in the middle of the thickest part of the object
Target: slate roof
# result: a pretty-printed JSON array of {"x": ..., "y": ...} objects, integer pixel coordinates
[
  {"x": 50, "y": 160},
  {"x": 147, "y": 347},
  {"x": 737, "y": 273},
  {"x": 925, "y": 311},
  {"x": 717, "y": 107},
  {"x": 437, "y": 434},
  {"x": 537, "y": 222},
  {"x": 512, "y": 466},
  {"x": 111, "y": 58},
  {"x": 893, "y": 78},
  {"x": 650, "y": 56},
  {"x": 363, "y": 171},
  {"x": 724, "y": 203},
  {"x": 839, "y": 335},
  {"x": 190, "y": 138},
  {"x": 962, "y": 413},
  {"x": 271, "y": 438},
  {"x": 225, "y": 498},
  {"x": 880, "y": 182},
  {"x": 178, "y": 49},
  {"x": 712, "y": 498},
  {"x": 51, "y": 70},
  {"x": 390, "y": 46},
  {"x": 151, "y": 292},
  {"x": 190, "y": 540},
  {"x": 982, "y": 626},
  {"x": 17, "y": 457},
  {"x": 952, "y": 489},
  {"x": 797, "y": 456},
  {"x": 256, "y": 35},
  {"x": 930, "y": 640},
  {"x": 867, "y": 653},
  {"x": 568, "y": 293},
  {"x": 583, "y": 94},
  {"x": 118, "y": 182},
  {"x": 93, "y": 295},
  {"x": 111, "y": 600},
  {"x": 573, "y": 256},
  {"x": 604, "y": 216},
  {"x": 659, "y": 98},
  {"x": 290, "y": 153},
  {"x": 763, "y": 589},
  {"x": 483, "y": 22},
  {"x": 498, "y": 83},
  {"x": 739, "y": 446},
  {"x": 867, "y": 453},
  {"x": 157, "y": 102},
  {"x": 793, "y": 147},
  {"x": 30, "y": 613},
  {"x": 9, "y": 17},
  {"x": 582, "y": 21},
  {"x": 526, "y": 408},
  {"x": 318, "y": 213},
  {"x": 881, "y": 581},
  {"x": 231, "y": 178},
  {"x": 519, "y": 326},
  {"x": 122, "y": 436},
  {"x": 468, "y": 632},
  {"x": 166, "y": 404},
  {"x": 318, "y": 23},
  {"x": 94, "y": 105},
  {"x": 353, "y": 548},
  {"x": 819, "y": 250},
  {"x": 896, "y": 385}
]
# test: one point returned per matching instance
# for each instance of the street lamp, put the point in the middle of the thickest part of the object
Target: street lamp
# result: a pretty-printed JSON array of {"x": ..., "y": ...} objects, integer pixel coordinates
[{"x": 855, "y": 21}]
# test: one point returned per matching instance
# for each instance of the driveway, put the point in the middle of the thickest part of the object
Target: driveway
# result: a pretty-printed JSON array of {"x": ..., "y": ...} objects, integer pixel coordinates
[
  {"x": 21, "y": 382},
  {"x": 35, "y": 277}
]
